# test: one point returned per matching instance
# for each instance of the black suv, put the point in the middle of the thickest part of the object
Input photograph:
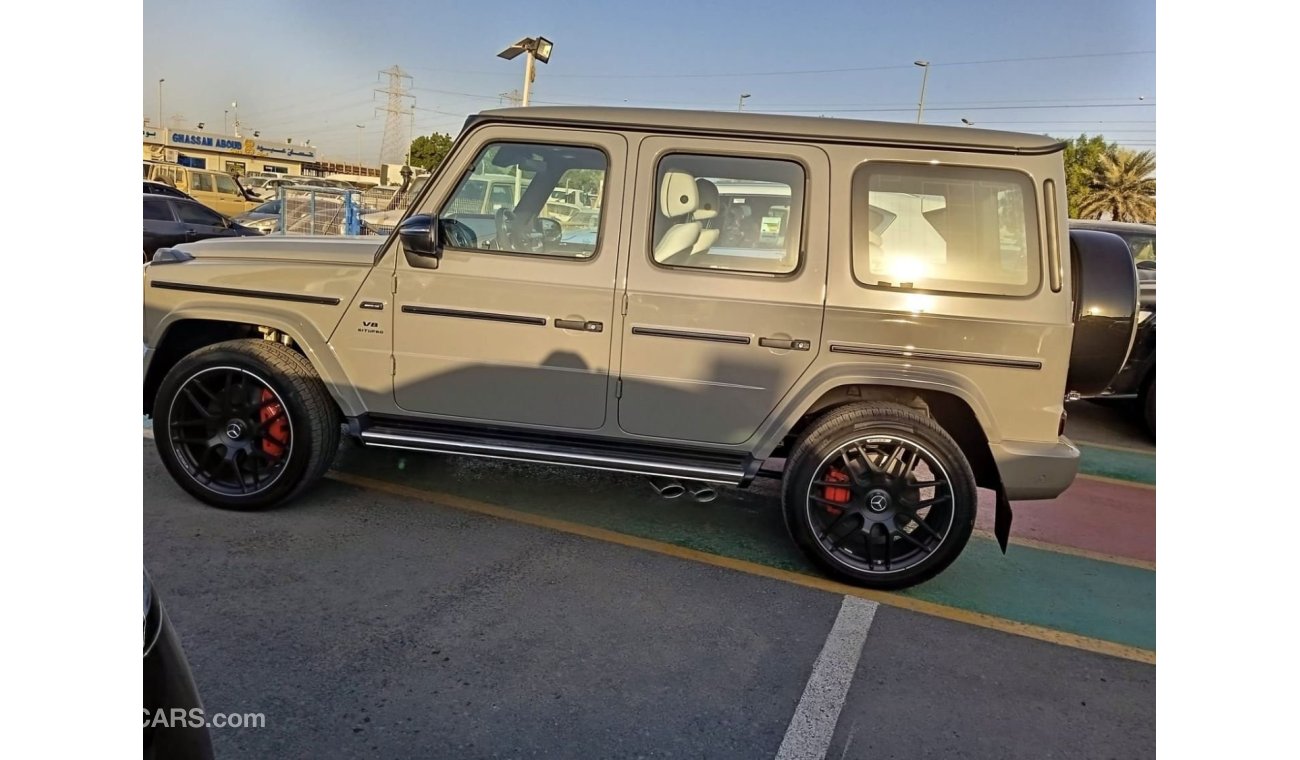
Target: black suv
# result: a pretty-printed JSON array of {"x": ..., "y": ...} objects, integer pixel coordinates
[{"x": 1137, "y": 380}]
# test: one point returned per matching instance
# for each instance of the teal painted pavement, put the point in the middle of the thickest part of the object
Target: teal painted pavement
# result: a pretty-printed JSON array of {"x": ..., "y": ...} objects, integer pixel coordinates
[
  {"x": 1121, "y": 465},
  {"x": 1083, "y": 596}
]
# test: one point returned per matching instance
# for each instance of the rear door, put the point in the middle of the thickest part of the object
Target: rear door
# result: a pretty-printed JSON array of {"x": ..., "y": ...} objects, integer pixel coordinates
[
  {"x": 229, "y": 200},
  {"x": 160, "y": 226},
  {"x": 725, "y": 286}
]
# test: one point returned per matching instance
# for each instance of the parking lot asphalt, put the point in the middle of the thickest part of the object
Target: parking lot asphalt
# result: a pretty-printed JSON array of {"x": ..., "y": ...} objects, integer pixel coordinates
[{"x": 377, "y": 622}]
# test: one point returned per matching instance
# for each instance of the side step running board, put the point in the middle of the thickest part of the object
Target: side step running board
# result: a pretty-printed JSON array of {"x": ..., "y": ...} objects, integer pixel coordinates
[{"x": 734, "y": 471}]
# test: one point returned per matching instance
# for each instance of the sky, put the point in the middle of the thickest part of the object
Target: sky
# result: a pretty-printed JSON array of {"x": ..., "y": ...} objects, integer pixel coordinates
[{"x": 309, "y": 70}]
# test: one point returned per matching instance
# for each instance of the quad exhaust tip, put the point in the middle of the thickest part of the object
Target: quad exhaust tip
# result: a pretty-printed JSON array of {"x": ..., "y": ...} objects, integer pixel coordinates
[
  {"x": 670, "y": 488},
  {"x": 701, "y": 492}
]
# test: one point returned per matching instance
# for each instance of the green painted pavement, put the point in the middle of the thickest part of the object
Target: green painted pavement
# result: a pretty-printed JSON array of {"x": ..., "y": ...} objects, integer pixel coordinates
[
  {"x": 1103, "y": 600},
  {"x": 1121, "y": 465},
  {"x": 1088, "y": 597}
]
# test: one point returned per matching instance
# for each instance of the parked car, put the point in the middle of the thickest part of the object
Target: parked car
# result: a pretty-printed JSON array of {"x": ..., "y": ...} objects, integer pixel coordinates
[
  {"x": 216, "y": 190},
  {"x": 382, "y": 222},
  {"x": 1136, "y": 382},
  {"x": 264, "y": 218},
  {"x": 161, "y": 188},
  {"x": 170, "y": 221},
  {"x": 483, "y": 194},
  {"x": 905, "y": 327},
  {"x": 169, "y": 686},
  {"x": 321, "y": 214}
]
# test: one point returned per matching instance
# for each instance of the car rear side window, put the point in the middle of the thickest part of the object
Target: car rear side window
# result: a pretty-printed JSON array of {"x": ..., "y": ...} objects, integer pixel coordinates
[
  {"x": 943, "y": 228},
  {"x": 728, "y": 213},
  {"x": 201, "y": 182},
  {"x": 157, "y": 208}
]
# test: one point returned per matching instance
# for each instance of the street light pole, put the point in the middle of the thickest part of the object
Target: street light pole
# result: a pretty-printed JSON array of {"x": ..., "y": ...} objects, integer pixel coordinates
[
  {"x": 529, "y": 73},
  {"x": 160, "y": 111},
  {"x": 740, "y": 105},
  {"x": 920, "y": 106},
  {"x": 537, "y": 49},
  {"x": 360, "y": 127}
]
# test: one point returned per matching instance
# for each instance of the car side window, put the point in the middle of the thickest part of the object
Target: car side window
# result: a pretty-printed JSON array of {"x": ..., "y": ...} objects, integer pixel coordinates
[
  {"x": 193, "y": 213},
  {"x": 1142, "y": 246},
  {"x": 728, "y": 213},
  {"x": 226, "y": 185},
  {"x": 501, "y": 202},
  {"x": 156, "y": 208},
  {"x": 200, "y": 181},
  {"x": 944, "y": 228}
]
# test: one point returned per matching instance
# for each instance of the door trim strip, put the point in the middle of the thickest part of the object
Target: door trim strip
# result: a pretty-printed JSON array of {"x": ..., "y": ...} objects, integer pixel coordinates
[
  {"x": 241, "y": 292},
  {"x": 490, "y": 316},
  {"x": 740, "y": 340},
  {"x": 937, "y": 356}
]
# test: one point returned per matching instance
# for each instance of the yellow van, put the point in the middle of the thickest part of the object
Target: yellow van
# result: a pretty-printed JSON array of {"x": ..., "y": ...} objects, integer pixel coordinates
[{"x": 216, "y": 190}]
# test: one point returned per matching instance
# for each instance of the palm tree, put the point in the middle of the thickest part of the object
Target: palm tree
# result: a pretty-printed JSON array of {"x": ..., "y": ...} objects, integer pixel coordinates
[{"x": 1122, "y": 186}]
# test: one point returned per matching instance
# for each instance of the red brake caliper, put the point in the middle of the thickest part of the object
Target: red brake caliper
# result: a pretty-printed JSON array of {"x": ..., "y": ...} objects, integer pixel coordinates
[
  {"x": 278, "y": 429},
  {"x": 834, "y": 493}
]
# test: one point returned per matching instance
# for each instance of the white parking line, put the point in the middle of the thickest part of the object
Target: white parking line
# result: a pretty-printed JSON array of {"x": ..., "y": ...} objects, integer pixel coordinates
[{"x": 813, "y": 722}]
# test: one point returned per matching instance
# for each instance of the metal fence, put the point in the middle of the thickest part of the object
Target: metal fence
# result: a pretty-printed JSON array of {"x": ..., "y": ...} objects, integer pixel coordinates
[{"x": 319, "y": 211}]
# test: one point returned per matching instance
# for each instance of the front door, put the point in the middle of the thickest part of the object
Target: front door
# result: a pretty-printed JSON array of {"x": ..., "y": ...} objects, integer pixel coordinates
[
  {"x": 725, "y": 286},
  {"x": 201, "y": 223},
  {"x": 514, "y": 324}
]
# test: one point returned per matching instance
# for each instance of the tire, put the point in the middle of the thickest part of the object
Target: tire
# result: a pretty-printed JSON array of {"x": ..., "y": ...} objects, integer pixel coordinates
[
  {"x": 245, "y": 424},
  {"x": 848, "y": 489},
  {"x": 1149, "y": 407}
]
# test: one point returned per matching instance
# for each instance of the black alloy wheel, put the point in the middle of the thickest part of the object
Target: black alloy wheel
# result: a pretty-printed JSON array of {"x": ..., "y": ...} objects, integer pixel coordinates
[
  {"x": 245, "y": 424},
  {"x": 878, "y": 495},
  {"x": 880, "y": 503},
  {"x": 230, "y": 431}
]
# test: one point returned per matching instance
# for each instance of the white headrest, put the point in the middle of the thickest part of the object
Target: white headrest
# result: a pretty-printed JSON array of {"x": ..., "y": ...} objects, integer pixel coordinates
[
  {"x": 678, "y": 194},
  {"x": 709, "y": 201}
]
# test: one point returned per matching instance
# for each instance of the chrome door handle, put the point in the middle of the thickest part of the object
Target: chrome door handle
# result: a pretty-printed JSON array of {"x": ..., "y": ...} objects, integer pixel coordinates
[
  {"x": 788, "y": 344},
  {"x": 579, "y": 324}
]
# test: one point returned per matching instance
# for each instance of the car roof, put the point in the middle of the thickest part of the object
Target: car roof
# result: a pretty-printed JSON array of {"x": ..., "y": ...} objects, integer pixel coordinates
[
  {"x": 743, "y": 124},
  {"x": 177, "y": 198},
  {"x": 1108, "y": 226}
]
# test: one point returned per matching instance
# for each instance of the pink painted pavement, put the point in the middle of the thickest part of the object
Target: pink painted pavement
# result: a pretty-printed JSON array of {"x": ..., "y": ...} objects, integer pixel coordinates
[{"x": 1108, "y": 518}]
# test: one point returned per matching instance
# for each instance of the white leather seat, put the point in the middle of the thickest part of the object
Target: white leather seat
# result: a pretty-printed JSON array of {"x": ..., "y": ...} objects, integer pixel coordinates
[
  {"x": 678, "y": 199},
  {"x": 706, "y": 214}
]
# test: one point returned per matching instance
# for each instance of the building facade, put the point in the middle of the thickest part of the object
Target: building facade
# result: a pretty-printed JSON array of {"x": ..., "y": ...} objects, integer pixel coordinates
[{"x": 232, "y": 154}]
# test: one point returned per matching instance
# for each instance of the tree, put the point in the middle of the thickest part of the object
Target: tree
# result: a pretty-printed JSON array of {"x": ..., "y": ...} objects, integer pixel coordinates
[
  {"x": 428, "y": 152},
  {"x": 1122, "y": 187},
  {"x": 1083, "y": 156}
]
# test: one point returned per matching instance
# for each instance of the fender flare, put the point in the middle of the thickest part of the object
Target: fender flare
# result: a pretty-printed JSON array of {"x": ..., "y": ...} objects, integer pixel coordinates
[
  {"x": 794, "y": 407},
  {"x": 306, "y": 335}
]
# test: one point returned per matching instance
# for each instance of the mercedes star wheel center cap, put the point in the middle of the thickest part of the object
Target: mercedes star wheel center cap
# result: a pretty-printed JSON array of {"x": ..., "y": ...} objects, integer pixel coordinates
[
  {"x": 877, "y": 501},
  {"x": 234, "y": 430}
]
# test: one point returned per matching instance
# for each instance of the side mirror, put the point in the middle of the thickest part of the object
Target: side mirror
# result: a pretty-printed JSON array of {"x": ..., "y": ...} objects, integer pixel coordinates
[
  {"x": 420, "y": 238},
  {"x": 551, "y": 229}
]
